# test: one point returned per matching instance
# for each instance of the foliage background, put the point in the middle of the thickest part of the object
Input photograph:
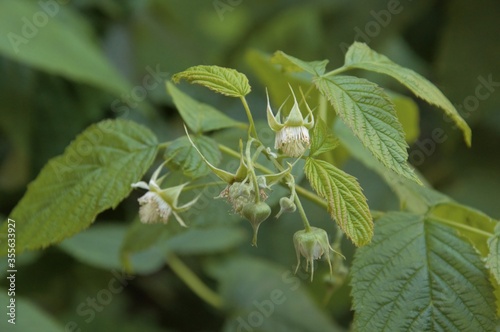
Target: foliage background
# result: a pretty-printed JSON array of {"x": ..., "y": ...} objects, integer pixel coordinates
[{"x": 79, "y": 67}]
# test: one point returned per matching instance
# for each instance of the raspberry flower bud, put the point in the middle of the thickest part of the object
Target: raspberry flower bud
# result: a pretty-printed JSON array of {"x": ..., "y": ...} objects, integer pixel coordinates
[
  {"x": 292, "y": 136},
  {"x": 286, "y": 205},
  {"x": 158, "y": 204},
  {"x": 256, "y": 213},
  {"x": 312, "y": 244}
]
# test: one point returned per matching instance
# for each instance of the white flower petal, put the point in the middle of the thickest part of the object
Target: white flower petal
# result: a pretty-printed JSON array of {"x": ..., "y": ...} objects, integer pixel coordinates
[{"x": 293, "y": 141}]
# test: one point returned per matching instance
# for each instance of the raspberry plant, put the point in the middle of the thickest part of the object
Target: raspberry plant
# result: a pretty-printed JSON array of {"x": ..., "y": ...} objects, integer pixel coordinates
[{"x": 433, "y": 265}]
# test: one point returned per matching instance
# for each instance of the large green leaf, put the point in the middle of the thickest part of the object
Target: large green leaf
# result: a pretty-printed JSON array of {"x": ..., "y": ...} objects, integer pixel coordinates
[
  {"x": 471, "y": 223},
  {"x": 199, "y": 117},
  {"x": 100, "y": 246},
  {"x": 361, "y": 56},
  {"x": 493, "y": 259},
  {"x": 205, "y": 241},
  {"x": 60, "y": 44},
  {"x": 368, "y": 111},
  {"x": 181, "y": 155},
  {"x": 407, "y": 112},
  {"x": 226, "y": 81},
  {"x": 290, "y": 63},
  {"x": 172, "y": 238},
  {"x": 262, "y": 297},
  {"x": 413, "y": 197},
  {"x": 418, "y": 275},
  {"x": 345, "y": 199},
  {"x": 93, "y": 174}
]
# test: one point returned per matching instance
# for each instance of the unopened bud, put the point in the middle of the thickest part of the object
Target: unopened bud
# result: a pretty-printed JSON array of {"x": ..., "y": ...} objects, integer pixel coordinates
[
  {"x": 256, "y": 213},
  {"x": 286, "y": 205}
]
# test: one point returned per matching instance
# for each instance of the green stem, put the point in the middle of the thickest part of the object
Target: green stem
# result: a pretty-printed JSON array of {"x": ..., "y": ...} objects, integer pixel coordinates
[
  {"x": 323, "y": 109},
  {"x": 311, "y": 196},
  {"x": 251, "y": 129},
  {"x": 461, "y": 226},
  {"x": 164, "y": 145},
  {"x": 336, "y": 71},
  {"x": 193, "y": 282},
  {"x": 203, "y": 185},
  {"x": 302, "y": 213},
  {"x": 251, "y": 170}
]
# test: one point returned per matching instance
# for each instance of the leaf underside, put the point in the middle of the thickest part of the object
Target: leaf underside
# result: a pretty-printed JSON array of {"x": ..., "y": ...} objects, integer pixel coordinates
[
  {"x": 345, "y": 199},
  {"x": 370, "y": 114}
]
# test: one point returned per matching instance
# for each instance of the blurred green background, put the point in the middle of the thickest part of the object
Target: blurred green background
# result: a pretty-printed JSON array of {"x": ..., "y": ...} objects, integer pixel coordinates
[{"x": 67, "y": 64}]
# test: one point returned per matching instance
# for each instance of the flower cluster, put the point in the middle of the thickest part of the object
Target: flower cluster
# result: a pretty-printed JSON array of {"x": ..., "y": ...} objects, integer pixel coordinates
[{"x": 241, "y": 196}]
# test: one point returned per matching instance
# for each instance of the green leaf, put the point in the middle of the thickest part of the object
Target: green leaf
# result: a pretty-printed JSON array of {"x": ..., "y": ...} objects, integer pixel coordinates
[
  {"x": 205, "y": 241},
  {"x": 361, "y": 56},
  {"x": 497, "y": 296},
  {"x": 267, "y": 299},
  {"x": 322, "y": 139},
  {"x": 471, "y": 223},
  {"x": 29, "y": 317},
  {"x": 161, "y": 239},
  {"x": 276, "y": 82},
  {"x": 346, "y": 202},
  {"x": 140, "y": 237},
  {"x": 418, "y": 275},
  {"x": 94, "y": 174},
  {"x": 407, "y": 112},
  {"x": 64, "y": 46},
  {"x": 226, "y": 81},
  {"x": 493, "y": 259},
  {"x": 413, "y": 197},
  {"x": 100, "y": 246},
  {"x": 181, "y": 155},
  {"x": 368, "y": 111},
  {"x": 292, "y": 64},
  {"x": 199, "y": 117}
]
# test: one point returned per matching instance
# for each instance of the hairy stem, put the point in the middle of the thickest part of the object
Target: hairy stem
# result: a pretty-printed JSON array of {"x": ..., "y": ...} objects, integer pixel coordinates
[
  {"x": 252, "y": 132},
  {"x": 337, "y": 71},
  {"x": 193, "y": 282}
]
